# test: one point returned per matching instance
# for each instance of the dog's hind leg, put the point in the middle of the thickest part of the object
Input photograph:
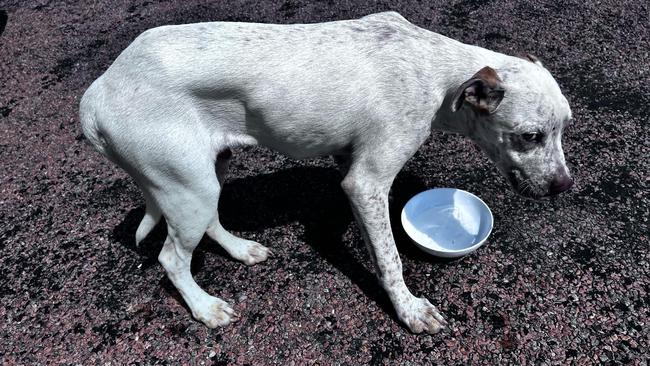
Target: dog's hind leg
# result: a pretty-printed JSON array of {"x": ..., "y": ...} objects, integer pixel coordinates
[
  {"x": 180, "y": 180},
  {"x": 247, "y": 251},
  {"x": 173, "y": 163},
  {"x": 189, "y": 207}
]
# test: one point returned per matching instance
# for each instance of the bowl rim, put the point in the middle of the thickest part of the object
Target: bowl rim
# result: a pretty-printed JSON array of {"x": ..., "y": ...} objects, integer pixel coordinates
[{"x": 455, "y": 251}]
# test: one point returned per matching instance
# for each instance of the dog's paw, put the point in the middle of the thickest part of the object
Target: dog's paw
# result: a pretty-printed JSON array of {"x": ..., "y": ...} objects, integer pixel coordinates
[
  {"x": 214, "y": 312},
  {"x": 251, "y": 253},
  {"x": 419, "y": 315}
]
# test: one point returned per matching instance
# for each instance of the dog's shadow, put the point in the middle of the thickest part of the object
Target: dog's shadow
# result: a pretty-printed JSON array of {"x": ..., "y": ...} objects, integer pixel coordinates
[{"x": 310, "y": 196}]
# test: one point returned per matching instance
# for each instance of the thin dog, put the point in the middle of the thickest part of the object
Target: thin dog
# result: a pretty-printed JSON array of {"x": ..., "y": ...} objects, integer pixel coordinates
[{"x": 367, "y": 91}]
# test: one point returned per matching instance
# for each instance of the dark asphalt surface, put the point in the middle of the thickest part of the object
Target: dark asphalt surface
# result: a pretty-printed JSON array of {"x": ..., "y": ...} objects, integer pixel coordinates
[{"x": 564, "y": 281}]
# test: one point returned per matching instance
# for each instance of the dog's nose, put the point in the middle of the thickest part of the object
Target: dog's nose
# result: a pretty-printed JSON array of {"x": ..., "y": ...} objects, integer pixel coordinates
[{"x": 560, "y": 184}]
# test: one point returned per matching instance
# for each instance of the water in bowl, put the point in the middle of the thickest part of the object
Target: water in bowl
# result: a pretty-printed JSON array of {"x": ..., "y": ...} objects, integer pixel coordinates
[{"x": 446, "y": 227}]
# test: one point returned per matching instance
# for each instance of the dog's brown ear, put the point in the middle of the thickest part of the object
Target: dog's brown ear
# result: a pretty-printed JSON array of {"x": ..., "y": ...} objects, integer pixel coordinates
[{"x": 483, "y": 92}]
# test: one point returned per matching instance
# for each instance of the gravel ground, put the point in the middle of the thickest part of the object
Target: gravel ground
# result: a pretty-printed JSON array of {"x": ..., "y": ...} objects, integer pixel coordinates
[{"x": 563, "y": 281}]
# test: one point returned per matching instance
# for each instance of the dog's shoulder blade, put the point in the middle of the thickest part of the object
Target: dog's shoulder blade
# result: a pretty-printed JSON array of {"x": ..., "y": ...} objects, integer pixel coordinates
[{"x": 386, "y": 15}]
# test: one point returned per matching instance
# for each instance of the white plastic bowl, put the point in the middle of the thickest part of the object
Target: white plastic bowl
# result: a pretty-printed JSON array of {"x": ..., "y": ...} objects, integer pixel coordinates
[{"x": 447, "y": 222}]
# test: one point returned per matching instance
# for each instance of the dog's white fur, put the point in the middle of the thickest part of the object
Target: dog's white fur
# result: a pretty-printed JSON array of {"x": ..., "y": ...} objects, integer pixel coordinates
[{"x": 368, "y": 91}]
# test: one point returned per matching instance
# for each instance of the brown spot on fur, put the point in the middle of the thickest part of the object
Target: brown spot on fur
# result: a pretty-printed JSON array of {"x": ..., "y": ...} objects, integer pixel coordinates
[{"x": 531, "y": 58}]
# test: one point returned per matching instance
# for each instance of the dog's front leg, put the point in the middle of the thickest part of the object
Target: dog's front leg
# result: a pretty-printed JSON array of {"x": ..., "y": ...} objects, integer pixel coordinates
[{"x": 368, "y": 196}]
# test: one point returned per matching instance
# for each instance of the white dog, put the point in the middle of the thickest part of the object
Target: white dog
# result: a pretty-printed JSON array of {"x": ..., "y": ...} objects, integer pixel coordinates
[{"x": 367, "y": 91}]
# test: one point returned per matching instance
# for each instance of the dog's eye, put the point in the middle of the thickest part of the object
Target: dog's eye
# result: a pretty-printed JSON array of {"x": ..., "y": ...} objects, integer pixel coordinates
[{"x": 532, "y": 137}]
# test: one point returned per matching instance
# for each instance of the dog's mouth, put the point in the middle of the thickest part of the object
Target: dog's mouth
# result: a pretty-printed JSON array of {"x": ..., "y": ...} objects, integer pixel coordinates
[{"x": 522, "y": 185}]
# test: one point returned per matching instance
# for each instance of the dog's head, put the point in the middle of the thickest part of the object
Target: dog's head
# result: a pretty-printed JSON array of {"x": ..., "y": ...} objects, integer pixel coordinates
[{"x": 517, "y": 115}]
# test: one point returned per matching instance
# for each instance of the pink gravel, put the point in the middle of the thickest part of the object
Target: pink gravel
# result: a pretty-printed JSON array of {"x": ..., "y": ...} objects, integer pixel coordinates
[{"x": 564, "y": 281}]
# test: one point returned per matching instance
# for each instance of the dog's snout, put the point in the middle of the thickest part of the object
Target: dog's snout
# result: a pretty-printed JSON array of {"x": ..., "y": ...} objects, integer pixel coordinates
[{"x": 560, "y": 184}]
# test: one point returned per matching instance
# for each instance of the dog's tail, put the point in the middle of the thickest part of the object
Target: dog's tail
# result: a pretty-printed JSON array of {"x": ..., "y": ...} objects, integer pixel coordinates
[
  {"x": 88, "y": 110},
  {"x": 151, "y": 218}
]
